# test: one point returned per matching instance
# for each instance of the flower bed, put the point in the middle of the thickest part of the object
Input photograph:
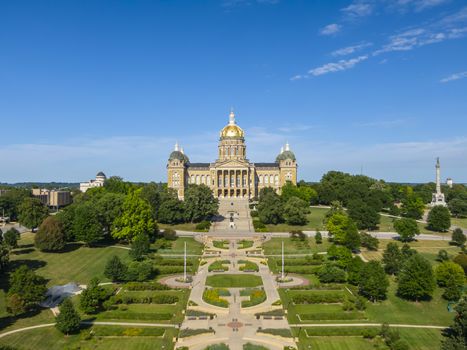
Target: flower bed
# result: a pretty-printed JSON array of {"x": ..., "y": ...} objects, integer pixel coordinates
[
  {"x": 257, "y": 296},
  {"x": 213, "y": 296}
]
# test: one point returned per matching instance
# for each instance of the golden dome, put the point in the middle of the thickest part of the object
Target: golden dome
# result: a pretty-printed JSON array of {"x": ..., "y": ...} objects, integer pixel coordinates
[{"x": 232, "y": 129}]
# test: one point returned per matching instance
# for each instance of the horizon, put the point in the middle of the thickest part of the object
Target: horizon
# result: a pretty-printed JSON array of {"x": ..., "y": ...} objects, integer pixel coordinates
[{"x": 369, "y": 87}]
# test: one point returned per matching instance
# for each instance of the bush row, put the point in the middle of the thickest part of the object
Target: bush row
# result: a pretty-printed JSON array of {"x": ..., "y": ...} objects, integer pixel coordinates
[
  {"x": 367, "y": 332},
  {"x": 317, "y": 298},
  {"x": 188, "y": 332},
  {"x": 119, "y": 315},
  {"x": 153, "y": 299},
  {"x": 141, "y": 286},
  {"x": 128, "y": 332},
  {"x": 328, "y": 316}
]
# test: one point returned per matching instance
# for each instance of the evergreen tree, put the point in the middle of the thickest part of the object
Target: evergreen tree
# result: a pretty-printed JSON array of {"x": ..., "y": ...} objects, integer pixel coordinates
[
  {"x": 68, "y": 320},
  {"x": 455, "y": 337},
  {"x": 442, "y": 255},
  {"x": 91, "y": 298},
  {"x": 86, "y": 225},
  {"x": 416, "y": 279},
  {"x": 115, "y": 270},
  {"x": 4, "y": 257},
  {"x": 354, "y": 270},
  {"x": 295, "y": 211},
  {"x": 439, "y": 218},
  {"x": 27, "y": 286},
  {"x": 373, "y": 282},
  {"x": 136, "y": 218},
  {"x": 407, "y": 229},
  {"x": 392, "y": 258},
  {"x": 139, "y": 247},
  {"x": 11, "y": 238},
  {"x": 31, "y": 212},
  {"x": 50, "y": 236},
  {"x": 318, "y": 237},
  {"x": 458, "y": 237}
]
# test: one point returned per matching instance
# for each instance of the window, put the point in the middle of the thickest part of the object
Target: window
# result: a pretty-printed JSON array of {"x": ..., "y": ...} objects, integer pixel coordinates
[
  {"x": 261, "y": 179},
  {"x": 266, "y": 179},
  {"x": 208, "y": 180}
]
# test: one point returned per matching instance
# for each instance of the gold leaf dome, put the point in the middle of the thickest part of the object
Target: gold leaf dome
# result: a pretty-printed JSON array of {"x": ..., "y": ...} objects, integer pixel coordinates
[{"x": 232, "y": 129}]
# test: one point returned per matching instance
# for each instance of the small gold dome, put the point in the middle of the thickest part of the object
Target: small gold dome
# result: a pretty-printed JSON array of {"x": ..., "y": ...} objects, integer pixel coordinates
[{"x": 232, "y": 129}]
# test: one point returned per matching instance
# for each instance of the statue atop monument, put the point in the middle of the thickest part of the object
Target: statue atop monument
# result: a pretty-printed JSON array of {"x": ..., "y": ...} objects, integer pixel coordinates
[{"x": 438, "y": 196}]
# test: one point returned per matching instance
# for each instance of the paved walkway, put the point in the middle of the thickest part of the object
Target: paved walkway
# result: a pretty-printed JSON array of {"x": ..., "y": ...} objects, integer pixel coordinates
[
  {"x": 235, "y": 325},
  {"x": 296, "y": 325},
  {"x": 239, "y": 210}
]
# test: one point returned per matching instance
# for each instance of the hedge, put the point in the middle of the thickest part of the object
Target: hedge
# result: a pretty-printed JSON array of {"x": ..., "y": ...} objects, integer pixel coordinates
[
  {"x": 328, "y": 316},
  {"x": 153, "y": 299},
  {"x": 257, "y": 296},
  {"x": 280, "y": 332},
  {"x": 304, "y": 270},
  {"x": 369, "y": 332},
  {"x": 129, "y": 315},
  {"x": 141, "y": 286},
  {"x": 219, "y": 265},
  {"x": 248, "y": 266},
  {"x": 317, "y": 298},
  {"x": 188, "y": 332},
  {"x": 127, "y": 332}
]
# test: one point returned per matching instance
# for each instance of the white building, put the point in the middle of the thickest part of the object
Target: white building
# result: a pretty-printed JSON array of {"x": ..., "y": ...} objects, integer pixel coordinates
[
  {"x": 449, "y": 182},
  {"x": 98, "y": 182}
]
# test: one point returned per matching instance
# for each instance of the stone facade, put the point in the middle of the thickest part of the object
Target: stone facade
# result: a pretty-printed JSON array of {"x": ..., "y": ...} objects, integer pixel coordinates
[{"x": 232, "y": 175}]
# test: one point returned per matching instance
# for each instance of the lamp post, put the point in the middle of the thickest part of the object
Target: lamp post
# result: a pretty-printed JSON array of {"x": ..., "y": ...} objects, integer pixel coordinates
[
  {"x": 184, "y": 263},
  {"x": 282, "y": 274}
]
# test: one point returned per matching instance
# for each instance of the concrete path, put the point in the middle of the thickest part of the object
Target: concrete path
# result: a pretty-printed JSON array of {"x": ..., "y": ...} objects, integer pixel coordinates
[
  {"x": 235, "y": 325},
  {"x": 365, "y": 325}
]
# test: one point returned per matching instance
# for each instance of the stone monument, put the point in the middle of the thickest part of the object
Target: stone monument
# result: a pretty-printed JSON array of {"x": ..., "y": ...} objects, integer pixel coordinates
[{"x": 438, "y": 196}]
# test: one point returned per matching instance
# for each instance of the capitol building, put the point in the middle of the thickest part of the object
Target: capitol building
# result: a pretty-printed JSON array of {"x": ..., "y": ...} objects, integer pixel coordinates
[{"x": 232, "y": 175}]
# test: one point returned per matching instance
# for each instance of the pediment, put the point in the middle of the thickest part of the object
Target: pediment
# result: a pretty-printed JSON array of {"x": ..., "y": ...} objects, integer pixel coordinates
[{"x": 232, "y": 164}]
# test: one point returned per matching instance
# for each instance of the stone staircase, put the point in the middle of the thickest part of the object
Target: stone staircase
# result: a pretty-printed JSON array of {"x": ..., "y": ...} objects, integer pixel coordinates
[{"x": 242, "y": 222}]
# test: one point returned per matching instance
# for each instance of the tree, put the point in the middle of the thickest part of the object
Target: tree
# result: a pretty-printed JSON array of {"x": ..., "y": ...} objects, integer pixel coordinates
[
  {"x": 452, "y": 291},
  {"x": 449, "y": 270},
  {"x": 461, "y": 259},
  {"x": 439, "y": 219},
  {"x": 270, "y": 208},
  {"x": 86, "y": 225},
  {"x": 458, "y": 237},
  {"x": 392, "y": 258},
  {"x": 373, "y": 282},
  {"x": 66, "y": 217},
  {"x": 336, "y": 225},
  {"x": 115, "y": 184},
  {"x": 352, "y": 236},
  {"x": 342, "y": 255},
  {"x": 139, "y": 247},
  {"x": 354, "y": 269},
  {"x": 455, "y": 337},
  {"x": 4, "y": 257},
  {"x": 171, "y": 211},
  {"x": 108, "y": 207},
  {"x": 91, "y": 298},
  {"x": 318, "y": 237},
  {"x": 329, "y": 273},
  {"x": 416, "y": 279},
  {"x": 407, "y": 229},
  {"x": 15, "y": 304},
  {"x": 139, "y": 271},
  {"x": 136, "y": 218},
  {"x": 458, "y": 207},
  {"x": 295, "y": 211},
  {"x": 442, "y": 255},
  {"x": 115, "y": 270},
  {"x": 68, "y": 320},
  {"x": 200, "y": 203},
  {"x": 412, "y": 207},
  {"x": 369, "y": 242},
  {"x": 50, "y": 236},
  {"x": 31, "y": 212},
  {"x": 364, "y": 215},
  {"x": 11, "y": 238},
  {"x": 27, "y": 286}
]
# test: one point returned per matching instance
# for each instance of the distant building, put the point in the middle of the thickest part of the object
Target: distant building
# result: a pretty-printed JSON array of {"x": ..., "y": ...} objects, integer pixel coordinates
[
  {"x": 98, "y": 182},
  {"x": 438, "y": 196},
  {"x": 449, "y": 182},
  {"x": 52, "y": 198}
]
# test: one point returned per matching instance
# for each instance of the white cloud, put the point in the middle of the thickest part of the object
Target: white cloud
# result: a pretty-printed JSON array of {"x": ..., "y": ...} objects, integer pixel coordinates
[
  {"x": 330, "y": 29},
  {"x": 417, "y": 5},
  {"x": 337, "y": 66},
  {"x": 350, "y": 49},
  {"x": 358, "y": 9},
  {"x": 455, "y": 76}
]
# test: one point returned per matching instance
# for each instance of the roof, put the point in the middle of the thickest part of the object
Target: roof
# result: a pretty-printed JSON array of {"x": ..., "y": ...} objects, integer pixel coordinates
[
  {"x": 285, "y": 155},
  {"x": 199, "y": 165},
  {"x": 266, "y": 165},
  {"x": 178, "y": 155}
]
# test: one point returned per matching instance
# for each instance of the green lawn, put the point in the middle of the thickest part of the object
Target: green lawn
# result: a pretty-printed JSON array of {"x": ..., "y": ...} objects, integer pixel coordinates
[
  {"x": 294, "y": 246},
  {"x": 315, "y": 221},
  {"x": 335, "y": 343},
  {"x": 234, "y": 281},
  {"x": 193, "y": 247},
  {"x": 461, "y": 222},
  {"x": 189, "y": 226},
  {"x": 78, "y": 264},
  {"x": 51, "y": 339}
]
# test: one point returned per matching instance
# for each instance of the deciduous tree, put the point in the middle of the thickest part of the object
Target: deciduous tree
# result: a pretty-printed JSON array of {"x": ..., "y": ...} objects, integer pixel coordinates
[
  {"x": 458, "y": 237},
  {"x": 373, "y": 282},
  {"x": 68, "y": 320},
  {"x": 407, "y": 229},
  {"x": 439, "y": 218},
  {"x": 50, "y": 236},
  {"x": 31, "y": 212},
  {"x": 416, "y": 279},
  {"x": 27, "y": 286},
  {"x": 200, "y": 203},
  {"x": 86, "y": 225},
  {"x": 455, "y": 337},
  {"x": 295, "y": 211}
]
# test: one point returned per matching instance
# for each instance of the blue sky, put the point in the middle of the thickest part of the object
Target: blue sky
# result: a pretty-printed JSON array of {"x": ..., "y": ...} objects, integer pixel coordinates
[{"x": 377, "y": 85}]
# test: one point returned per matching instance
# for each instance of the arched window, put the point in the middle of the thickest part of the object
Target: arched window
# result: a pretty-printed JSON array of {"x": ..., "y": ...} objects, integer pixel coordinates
[
  {"x": 288, "y": 176},
  {"x": 271, "y": 179},
  {"x": 202, "y": 179},
  {"x": 197, "y": 179},
  {"x": 266, "y": 179},
  {"x": 277, "y": 180},
  {"x": 261, "y": 179}
]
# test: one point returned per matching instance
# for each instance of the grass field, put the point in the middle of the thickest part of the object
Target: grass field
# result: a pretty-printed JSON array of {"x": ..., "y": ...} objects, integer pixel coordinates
[
  {"x": 429, "y": 249},
  {"x": 78, "y": 263},
  {"x": 234, "y": 281},
  {"x": 51, "y": 339},
  {"x": 461, "y": 222},
  {"x": 294, "y": 246},
  {"x": 177, "y": 246},
  {"x": 189, "y": 226},
  {"x": 315, "y": 221}
]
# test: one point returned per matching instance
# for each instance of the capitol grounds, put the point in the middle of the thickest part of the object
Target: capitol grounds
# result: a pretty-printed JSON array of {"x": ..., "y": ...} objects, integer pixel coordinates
[{"x": 320, "y": 315}]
